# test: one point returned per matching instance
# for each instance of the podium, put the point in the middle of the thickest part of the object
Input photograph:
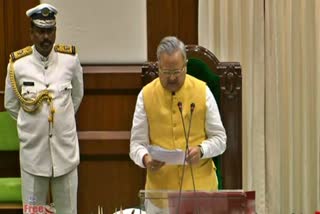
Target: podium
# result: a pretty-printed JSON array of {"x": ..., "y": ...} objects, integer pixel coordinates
[{"x": 199, "y": 202}]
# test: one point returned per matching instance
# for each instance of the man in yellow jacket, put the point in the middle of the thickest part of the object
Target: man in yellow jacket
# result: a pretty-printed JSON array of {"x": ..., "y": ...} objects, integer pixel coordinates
[{"x": 157, "y": 122}]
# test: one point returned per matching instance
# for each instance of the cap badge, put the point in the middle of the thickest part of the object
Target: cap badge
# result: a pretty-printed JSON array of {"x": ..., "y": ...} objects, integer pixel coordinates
[{"x": 45, "y": 12}]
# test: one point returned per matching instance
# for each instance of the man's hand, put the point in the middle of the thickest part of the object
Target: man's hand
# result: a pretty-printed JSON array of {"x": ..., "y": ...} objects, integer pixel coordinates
[
  {"x": 194, "y": 154},
  {"x": 151, "y": 164}
]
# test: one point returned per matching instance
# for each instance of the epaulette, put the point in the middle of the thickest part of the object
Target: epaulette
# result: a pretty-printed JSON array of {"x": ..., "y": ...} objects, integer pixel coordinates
[
  {"x": 21, "y": 53},
  {"x": 68, "y": 49}
]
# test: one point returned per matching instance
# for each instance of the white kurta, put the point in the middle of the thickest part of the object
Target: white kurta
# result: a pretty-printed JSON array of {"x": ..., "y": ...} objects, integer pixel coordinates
[
  {"x": 214, "y": 145},
  {"x": 46, "y": 151}
]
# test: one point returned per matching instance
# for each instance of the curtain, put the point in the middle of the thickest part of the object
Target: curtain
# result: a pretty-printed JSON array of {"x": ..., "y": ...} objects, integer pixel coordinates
[{"x": 277, "y": 44}]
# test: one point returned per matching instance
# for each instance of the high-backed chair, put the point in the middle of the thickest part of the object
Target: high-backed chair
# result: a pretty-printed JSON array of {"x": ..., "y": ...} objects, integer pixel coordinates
[
  {"x": 224, "y": 80},
  {"x": 10, "y": 187}
]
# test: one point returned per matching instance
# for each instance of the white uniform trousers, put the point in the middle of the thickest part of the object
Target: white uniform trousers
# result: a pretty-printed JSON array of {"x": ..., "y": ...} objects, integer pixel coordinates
[{"x": 64, "y": 191}]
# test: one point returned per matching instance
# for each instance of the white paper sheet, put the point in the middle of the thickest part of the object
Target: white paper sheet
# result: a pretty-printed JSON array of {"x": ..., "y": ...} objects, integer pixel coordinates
[
  {"x": 130, "y": 211},
  {"x": 171, "y": 157}
]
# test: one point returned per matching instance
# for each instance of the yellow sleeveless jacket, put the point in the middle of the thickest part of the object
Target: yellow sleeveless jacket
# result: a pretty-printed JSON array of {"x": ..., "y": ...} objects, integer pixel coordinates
[{"x": 166, "y": 130}]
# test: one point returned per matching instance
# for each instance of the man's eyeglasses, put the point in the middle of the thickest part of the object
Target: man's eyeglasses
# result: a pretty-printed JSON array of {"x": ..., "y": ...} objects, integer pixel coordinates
[{"x": 173, "y": 72}]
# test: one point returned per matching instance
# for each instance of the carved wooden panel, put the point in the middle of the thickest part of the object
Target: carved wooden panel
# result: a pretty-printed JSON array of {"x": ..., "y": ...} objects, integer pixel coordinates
[{"x": 231, "y": 115}]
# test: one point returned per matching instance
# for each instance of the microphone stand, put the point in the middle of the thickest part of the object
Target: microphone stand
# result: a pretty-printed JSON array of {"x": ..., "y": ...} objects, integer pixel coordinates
[
  {"x": 192, "y": 106},
  {"x": 185, "y": 156}
]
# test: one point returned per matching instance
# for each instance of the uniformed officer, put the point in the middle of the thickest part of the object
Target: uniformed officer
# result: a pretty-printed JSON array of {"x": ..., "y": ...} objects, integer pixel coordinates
[{"x": 44, "y": 88}]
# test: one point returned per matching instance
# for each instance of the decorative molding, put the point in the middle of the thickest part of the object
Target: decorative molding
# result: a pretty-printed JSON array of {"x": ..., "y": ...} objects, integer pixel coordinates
[
  {"x": 11, "y": 206},
  {"x": 149, "y": 72},
  {"x": 104, "y": 144},
  {"x": 104, "y": 135},
  {"x": 107, "y": 69},
  {"x": 230, "y": 79},
  {"x": 112, "y": 79}
]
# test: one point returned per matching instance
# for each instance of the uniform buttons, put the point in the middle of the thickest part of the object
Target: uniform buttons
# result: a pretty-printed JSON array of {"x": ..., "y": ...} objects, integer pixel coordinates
[{"x": 50, "y": 135}]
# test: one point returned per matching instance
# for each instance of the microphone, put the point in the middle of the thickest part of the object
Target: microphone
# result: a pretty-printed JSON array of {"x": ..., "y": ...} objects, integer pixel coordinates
[
  {"x": 192, "y": 106},
  {"x": 186, "y": 136},
  {"x": 183, "y": 124},
  {"x": 180, "y": 106}
]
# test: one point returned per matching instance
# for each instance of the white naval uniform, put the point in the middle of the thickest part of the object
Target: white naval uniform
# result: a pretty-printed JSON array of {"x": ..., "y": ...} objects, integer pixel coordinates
[{"x": 47, "y": 151}]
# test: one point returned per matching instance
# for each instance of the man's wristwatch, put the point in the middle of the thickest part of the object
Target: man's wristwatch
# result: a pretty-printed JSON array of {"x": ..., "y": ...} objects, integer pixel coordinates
[{"x": 201, "y": 151}]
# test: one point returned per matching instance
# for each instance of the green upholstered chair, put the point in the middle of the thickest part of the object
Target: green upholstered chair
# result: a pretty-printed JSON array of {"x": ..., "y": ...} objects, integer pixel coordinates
[
  {"x": 200, "y": 70},
  {"x": 10, "y": 187},
  {"x": 224, "y": 80}
]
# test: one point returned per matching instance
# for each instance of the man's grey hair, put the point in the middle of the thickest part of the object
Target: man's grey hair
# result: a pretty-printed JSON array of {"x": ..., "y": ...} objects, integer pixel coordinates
[{"x": 169, "y": 45}]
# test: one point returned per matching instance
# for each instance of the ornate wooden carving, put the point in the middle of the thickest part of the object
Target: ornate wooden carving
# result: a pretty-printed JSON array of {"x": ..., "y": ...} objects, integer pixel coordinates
[
  {"x": 230, "y": 79},
  {"x": 149, "y": 72},
  {"x": 230, "y": 109}
]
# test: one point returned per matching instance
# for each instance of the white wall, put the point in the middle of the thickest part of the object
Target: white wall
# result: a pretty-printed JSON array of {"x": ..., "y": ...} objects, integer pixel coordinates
[{"x": 104, "y": 31}]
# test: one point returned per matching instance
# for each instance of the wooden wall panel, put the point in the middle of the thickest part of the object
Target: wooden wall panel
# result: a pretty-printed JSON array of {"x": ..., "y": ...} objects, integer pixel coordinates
[
  {"x": 17, "y": 24},
  {"x": 106, "y": 112},
  {"x": 107, "y": 176},
  {"x": 171, "y": 18},
  {"x": 14, "y": 32},
  {"x": 110, "y": 97},
  {"x": 188, "y": 21},
  {"x": 111, "y": 187}
]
